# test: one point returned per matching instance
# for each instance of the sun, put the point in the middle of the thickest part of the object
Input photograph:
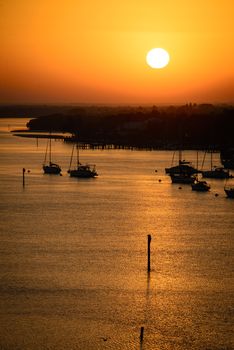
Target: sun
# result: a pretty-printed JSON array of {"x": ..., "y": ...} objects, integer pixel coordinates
[{"x": 157, "y": 58}]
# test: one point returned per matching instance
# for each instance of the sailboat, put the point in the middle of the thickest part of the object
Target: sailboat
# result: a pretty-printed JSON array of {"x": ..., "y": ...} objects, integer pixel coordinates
[
  {"x": 81, "y": 170},
  {"x": 199, "y": 185},
  {"x": 183, "y": 167},
  {"x": 50, "y": 168},
  {"x": 182, "y": 178},
  {"x": 215, "y": 172}
]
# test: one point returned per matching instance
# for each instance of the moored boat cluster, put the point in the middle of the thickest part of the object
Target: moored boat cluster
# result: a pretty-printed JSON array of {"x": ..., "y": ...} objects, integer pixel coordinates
[
  {"x": 185, "y": 173},
  {"x": 79, "y": 170},
  {"x": 182, "y": 173}
]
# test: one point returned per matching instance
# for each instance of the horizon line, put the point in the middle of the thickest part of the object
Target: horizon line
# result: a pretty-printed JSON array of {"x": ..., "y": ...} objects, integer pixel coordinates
[{"x": 114, "y": 104}]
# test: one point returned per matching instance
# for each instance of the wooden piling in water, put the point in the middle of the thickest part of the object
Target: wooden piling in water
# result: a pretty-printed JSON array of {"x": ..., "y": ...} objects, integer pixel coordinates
[
  {"x": 149, "y": 241},
  {"x": 142, "y": 335},
  {"x": 24, "y": 177}
]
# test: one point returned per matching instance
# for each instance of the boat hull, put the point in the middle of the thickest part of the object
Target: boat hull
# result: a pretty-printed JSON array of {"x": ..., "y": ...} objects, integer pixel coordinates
[
  {"x": 213, "y": 174},
  {"x": 52, "y": 169},
  {"x": 200, "y": 186},
  {"x": 77, "y": 173},
  {"x": 181, "y": 169},
  {"x": 182, "y": 179},
  {"x": 229, "y": 192},
  {"x": 227, "y": 158},
  {"x": 83, "y": 171}
]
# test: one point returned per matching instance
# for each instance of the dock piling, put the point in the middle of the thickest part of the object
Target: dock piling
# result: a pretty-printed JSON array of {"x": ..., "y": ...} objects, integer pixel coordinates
[
  {"x": 142, "y": 335},
  {"x": 24, "y": 177},
  {"x": 149, "y": 241}
]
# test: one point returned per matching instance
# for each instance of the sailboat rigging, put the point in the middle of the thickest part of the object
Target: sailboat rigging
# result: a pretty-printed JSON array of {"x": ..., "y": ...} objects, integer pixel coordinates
[
  {"x": 215, "y": 172},
  {"x": 182, "y": 173},
  {"x": 183, "y": 167},
  {"x": 200, "y": 185},
  {"x": 50, "y": 167},
  {"x": 81, "y": 170}
]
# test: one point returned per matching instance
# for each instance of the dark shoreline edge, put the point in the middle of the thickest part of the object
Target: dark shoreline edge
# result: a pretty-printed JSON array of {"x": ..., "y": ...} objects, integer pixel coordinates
[{"x": 190, "y": 126}]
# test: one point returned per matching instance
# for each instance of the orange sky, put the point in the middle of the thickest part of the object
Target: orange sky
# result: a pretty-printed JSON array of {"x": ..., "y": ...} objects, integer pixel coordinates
[{"x": 62, "y": 51}]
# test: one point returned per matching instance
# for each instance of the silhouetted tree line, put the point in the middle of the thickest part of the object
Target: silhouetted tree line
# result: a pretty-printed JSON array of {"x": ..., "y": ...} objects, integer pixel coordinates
[{"x": 189, "y": 126}]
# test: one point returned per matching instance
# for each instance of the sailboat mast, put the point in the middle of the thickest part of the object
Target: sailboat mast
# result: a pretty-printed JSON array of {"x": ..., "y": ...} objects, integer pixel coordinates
[
  {"x": 172, "y": 161},
  {"x": 50, "y": 150},
  {"x": 46, "y": 152},
  {"x": 77, "y": 152},
  {"x": 203, "y": 160},
  {"x": 180, "y": 156},
  {"x": 71, "y": 157}
]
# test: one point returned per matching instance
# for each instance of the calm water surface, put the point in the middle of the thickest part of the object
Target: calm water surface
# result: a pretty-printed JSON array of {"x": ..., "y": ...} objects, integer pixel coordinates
[{"x": 74, "y": 253}]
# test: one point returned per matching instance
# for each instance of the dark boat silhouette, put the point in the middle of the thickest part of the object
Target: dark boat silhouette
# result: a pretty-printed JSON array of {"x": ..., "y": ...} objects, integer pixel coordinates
[
  {"x": 200, "y": 186},
  {"x": 227, "y": 158},
  {"x": 229, "y": 191},
  {"x": 183, "y": 166},
  {"x": 182, "y": 178},
  {"x": 215, "y": 172},
  {"x": 81, "y": 170},
  {"x": 50, "y": 167}
]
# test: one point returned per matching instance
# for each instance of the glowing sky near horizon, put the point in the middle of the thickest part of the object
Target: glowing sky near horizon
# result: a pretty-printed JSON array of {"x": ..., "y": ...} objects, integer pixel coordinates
[{"x": 94, "y": 52}]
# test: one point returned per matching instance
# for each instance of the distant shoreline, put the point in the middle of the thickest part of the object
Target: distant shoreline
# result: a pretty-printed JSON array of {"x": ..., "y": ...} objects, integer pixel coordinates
[{"x": 190, "y": 126}]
